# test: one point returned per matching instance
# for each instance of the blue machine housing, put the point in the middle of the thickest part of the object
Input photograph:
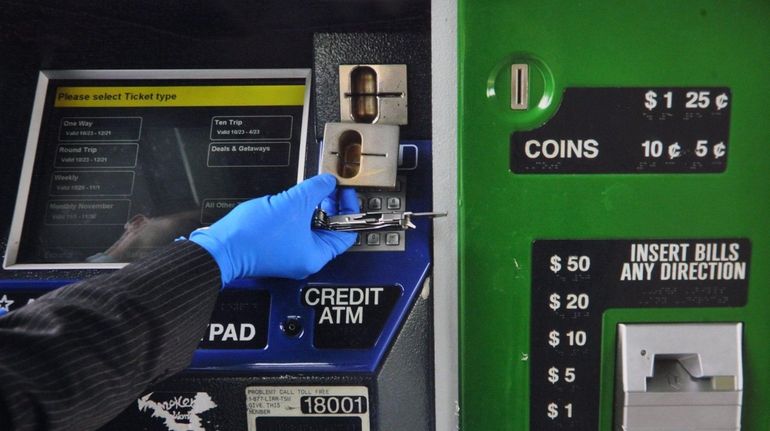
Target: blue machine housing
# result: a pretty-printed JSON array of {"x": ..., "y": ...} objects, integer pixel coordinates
[{"x": 407, "y": 270}]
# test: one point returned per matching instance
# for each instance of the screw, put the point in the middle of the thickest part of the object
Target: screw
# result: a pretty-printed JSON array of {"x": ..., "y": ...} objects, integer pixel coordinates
[{"x": 291, "y": 326}]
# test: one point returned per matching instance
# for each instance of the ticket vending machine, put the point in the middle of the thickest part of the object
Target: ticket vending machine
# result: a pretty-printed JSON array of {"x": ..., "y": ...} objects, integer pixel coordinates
[
  {"x": 602, "y": 265},
  {"x": 128, "y": 126},
  {"x": 614, "y": 232}
]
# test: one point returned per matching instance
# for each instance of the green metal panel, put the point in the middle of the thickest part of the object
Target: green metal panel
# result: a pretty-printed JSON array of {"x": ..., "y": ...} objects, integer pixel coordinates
[{"x": 601, "y": 44}]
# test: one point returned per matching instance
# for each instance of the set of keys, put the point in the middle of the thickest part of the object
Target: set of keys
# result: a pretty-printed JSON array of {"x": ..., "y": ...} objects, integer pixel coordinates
[{"x": 368, "y": 221}]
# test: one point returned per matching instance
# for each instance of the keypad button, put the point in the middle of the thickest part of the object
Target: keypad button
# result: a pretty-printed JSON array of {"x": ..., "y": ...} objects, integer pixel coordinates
[
  {"x": 361, "y": 203},
  {"x": 375, "y": 204},
  {"x": 392, "y": 238},
  {"x": 373, "y": 238},
  {"x": 394, "y": 203},
  {"x": 358, "y": 239}
]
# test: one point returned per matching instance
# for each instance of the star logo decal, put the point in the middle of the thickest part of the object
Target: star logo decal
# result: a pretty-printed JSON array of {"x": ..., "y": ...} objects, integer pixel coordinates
[{"x": 5, "y": 303}]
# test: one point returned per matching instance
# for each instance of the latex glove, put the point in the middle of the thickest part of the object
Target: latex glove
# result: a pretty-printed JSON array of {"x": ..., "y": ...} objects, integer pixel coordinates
[{"x": 271, "y": 236}]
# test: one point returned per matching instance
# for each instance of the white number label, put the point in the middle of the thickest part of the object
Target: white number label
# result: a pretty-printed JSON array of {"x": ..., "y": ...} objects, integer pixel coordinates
[
  {"x": 577, "y": 338},
  {"x": 577, "y": 301},
  {"x": 578, "y": 263},
  {"x": 652, "y": 148},
  {"x": 697, "y": 99},
  {"x": 569, "y": 374},
  {"x": 667, "y": 96},
  {"x": 701, "y": 150},
  {"x": 553, "y": 410}
]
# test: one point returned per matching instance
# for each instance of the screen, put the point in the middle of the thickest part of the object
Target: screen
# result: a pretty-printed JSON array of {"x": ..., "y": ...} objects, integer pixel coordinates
[{"x": 122, "y": 166}]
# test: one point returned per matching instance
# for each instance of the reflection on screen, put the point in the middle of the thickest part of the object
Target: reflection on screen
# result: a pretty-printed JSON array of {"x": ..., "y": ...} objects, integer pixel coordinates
[{"x": 116, "y": 176}]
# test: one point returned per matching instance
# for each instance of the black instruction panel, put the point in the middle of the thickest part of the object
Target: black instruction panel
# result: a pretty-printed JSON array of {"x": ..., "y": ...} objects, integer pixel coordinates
[
  {"x": 575, "y": 281},
  {"x": 629, "y": 130},
  {"x": 239, "y": 321},
  {"x": 349, "y": 317}
]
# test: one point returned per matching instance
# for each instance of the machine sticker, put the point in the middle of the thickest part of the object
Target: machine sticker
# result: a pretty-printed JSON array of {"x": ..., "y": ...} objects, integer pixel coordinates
[
  {"x": 298, "y": 408},
  {"x": 239, "y": 321},
  {"x": 5, "y": 303},
  {"x": 575, "y": 281},
  {"x": 177, "y": 411},
  {"x": 13, "y": 299},
  {"x": 349, "y": 317},
  {"x": 629, "y": 130}
]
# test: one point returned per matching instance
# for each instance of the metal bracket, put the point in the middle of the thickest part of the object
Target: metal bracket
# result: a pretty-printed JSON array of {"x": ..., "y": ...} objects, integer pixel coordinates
[
  {"x": 368, "y": 221},
  {"x": 361, "y": 155},
  {"x": 373, "y": 93}
]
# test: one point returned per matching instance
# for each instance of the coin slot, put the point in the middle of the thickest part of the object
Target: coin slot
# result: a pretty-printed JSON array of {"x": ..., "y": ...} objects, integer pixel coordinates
[
  {"x": 519, "y": 86},
  {"x": 364, "y": 94},
  {"x": 349, "y": 164},
  {"x": 522, "y": 90}
]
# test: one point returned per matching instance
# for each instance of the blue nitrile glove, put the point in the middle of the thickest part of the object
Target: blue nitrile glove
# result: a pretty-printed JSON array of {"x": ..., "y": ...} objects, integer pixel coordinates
[{"x": 271, "y": 236}]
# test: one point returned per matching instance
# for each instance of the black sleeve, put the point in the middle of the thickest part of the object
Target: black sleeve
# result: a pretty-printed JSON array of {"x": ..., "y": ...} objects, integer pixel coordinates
[{"x": 77, "y": 356}]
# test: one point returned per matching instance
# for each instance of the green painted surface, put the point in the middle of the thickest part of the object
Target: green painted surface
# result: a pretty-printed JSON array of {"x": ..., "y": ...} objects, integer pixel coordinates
[{"x": 601, "y": 44}]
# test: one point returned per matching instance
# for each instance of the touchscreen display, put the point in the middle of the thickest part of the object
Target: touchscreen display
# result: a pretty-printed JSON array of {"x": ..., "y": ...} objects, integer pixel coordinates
[{"x": 121, "y": 163}]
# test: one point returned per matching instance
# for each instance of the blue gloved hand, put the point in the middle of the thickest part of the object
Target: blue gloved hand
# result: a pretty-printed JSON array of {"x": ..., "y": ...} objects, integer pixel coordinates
[{"x": 271, "y": 236}]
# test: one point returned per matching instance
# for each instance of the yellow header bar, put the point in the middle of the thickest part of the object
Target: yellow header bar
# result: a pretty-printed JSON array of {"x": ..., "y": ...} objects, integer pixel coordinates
[{"x": 161, "y": 97}]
